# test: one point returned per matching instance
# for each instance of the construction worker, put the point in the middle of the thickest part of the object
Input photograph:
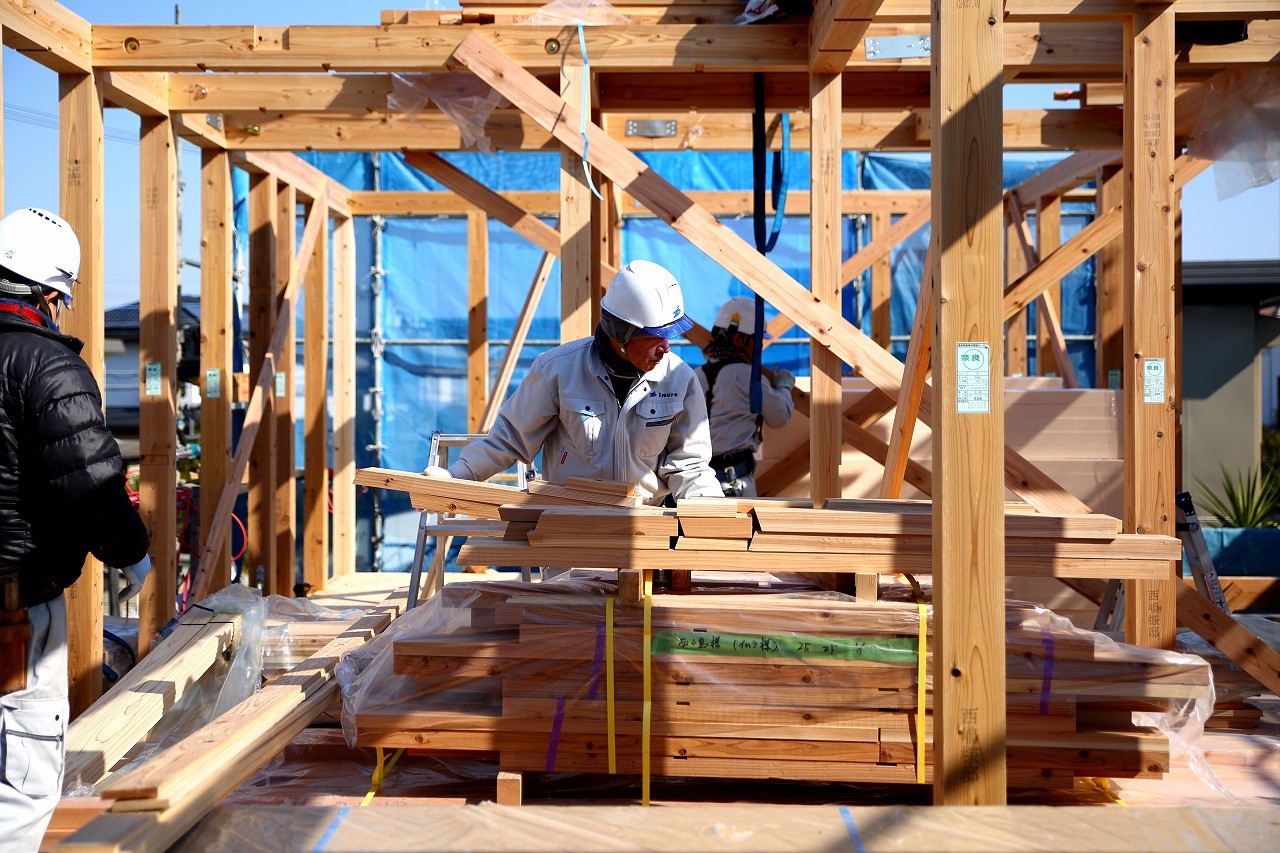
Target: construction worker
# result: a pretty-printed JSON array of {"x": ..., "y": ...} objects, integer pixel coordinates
[
  {"x": 726, "y": 380},
  {"x": 616, "y": 406},
  {"x": 62, "y": 497}
]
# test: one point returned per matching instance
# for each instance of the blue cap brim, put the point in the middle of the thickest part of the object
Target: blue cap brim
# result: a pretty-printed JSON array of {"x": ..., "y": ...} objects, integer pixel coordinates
[{"x": 674, "y": 329}]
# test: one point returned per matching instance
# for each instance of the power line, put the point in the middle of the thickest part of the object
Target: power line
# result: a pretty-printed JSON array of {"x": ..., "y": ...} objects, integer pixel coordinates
[{"x": 49, "y": 121}]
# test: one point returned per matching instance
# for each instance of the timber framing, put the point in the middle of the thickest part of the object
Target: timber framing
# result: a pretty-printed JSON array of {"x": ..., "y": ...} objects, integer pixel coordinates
[{"x": 248, "y": 96}]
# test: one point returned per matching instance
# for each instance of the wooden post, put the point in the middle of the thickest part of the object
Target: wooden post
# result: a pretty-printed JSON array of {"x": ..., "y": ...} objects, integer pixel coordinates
[
  {"x": 285, "y": 478},
  {"x": 477, "y": 318},
  {"x": 158, "y": 371},
  {"x": 881, "y": 285},
  {"x": 606, "y": 238},
  {"x": 1048, "y": 238},
  {"x": 825, "y": 257},
  {"x": 344, "y": 398},
  {"x": 1149, "y": 379},
  {"x": 914, "y": 374},
  {"x": 259, "y": 561},
  {"x": 1109, "y": 287},
  {"x": 968, "y": 429},
  {"x": 575, "y": 224},
  {"x": 1015, "y": 330},
  {"x": 80, "y": 198},
  {"x": 315, "y": 523},
  {"x": 215, "y": 352}
]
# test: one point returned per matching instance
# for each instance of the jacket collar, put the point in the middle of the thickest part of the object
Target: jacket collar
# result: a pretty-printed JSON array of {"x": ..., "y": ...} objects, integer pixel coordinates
[{"x": 16, "y": 316}]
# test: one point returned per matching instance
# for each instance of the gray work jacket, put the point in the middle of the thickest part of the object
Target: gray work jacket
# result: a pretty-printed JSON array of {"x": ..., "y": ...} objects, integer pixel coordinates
[
  {"x": 658, "y": 438},
  {"x": 733, "y": 425}
]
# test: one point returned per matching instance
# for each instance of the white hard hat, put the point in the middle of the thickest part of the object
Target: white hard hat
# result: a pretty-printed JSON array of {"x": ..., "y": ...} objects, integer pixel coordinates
[
  {"x": 739, "y": 311},
  {"x": 41, "y": 247},
  {"x": 647, "y": 296}
]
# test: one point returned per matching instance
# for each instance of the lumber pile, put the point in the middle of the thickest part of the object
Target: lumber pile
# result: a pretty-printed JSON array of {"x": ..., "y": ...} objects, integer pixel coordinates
[
  {"x": 762, "y": 535},
  {"x": 482, "y": 500},
  {"x": 744, "y": 684}
]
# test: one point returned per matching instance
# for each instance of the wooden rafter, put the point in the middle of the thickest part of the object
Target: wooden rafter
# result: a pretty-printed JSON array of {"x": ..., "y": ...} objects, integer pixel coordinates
[
  {"x": 48, "y": 32},
  {"x": 835, "y": 30},
  {"x": 915, "y": 371}
]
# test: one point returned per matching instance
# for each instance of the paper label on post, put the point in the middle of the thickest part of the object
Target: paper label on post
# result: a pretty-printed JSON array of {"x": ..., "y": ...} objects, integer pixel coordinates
[
  {"x": 1153, "y": 385},
  {"x": 213, "y": 383},
  {"x": 152, "y": 386},
  {"x": 280, "y": 389},
  {"x": 973, "y": 378}
]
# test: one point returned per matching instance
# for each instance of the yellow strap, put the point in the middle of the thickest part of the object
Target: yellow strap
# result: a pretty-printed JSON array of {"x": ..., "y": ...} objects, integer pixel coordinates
[
  {"x": 1104, "y": 785},
  {"x": 922, "y": 673},
  {"x": 608, "y": 682},
  {"x": 380, "y": 773},
  {"x": 648, "y": 690}
]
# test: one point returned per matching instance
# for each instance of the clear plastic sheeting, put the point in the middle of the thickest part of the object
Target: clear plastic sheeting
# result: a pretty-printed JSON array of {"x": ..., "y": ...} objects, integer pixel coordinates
[
  {"x": 546, "y": 674},
  {"x": 1239, "y": 129},
  {"x": 567, "y": 13},
  {"x": 464, "y": 98}
]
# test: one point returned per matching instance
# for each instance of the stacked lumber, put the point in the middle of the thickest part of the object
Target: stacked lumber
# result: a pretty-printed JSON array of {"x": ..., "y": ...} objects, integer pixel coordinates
[
  {"x": 483, "y": 500},
  {"x": 845, "y": 536},
  {"x": 745, "y": 685}
]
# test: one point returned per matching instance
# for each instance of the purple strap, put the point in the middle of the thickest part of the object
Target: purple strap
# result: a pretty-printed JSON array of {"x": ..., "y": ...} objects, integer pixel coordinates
[
  {"x": 593, "y": 683},
  {"x": 555, "y": 735},
  {"x": 1046, "y": 683}
]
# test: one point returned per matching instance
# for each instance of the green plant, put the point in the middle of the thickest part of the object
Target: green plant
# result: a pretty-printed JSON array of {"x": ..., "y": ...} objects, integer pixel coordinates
[
  {"x": 1271, "y": 451},
  {"x": 1249, "y": 498}
]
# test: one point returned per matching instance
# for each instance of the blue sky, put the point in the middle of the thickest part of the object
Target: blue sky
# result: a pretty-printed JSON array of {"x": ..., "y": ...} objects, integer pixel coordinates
[{"x": 1245, "y": 227}]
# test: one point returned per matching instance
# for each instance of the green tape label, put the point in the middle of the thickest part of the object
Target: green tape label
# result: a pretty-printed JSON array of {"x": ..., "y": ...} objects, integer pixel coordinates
[{"x": 787, "y": 646}]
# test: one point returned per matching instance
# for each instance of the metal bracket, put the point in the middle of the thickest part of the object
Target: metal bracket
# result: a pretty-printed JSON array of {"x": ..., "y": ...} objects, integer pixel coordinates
[
  {"x": 898, "y": 47},
  {"x": 651, "y": 128}
]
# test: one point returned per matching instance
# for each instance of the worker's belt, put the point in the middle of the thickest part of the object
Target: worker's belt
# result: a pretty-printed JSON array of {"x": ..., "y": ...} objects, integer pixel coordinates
[
  {"x": 734, "y": 464},
  {"x": 15, "y": 633}
]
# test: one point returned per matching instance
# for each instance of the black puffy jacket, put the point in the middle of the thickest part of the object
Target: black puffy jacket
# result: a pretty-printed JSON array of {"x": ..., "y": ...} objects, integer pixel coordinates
[{"x": 62, "y": 492}]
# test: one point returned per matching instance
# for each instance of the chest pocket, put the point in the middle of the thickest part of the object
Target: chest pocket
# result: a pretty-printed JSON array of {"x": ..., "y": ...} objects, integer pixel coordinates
[
  {"x": 583, "y": 420},
  {"x": 655, "y": 419}
]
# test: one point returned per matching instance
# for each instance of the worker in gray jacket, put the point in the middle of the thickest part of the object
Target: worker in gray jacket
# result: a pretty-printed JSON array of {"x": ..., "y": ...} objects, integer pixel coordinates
[
  {"x": 726, "y": 379},
  {"x": 617, "y": 406}
]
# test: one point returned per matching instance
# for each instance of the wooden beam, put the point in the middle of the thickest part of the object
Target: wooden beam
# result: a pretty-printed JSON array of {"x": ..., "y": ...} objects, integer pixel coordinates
[
  {"x": 1048, "y": 325},
  {"x": 916, "y": 370},
  {"x": 317, "y": 226},
  {"x": 301, "y": 175},
  {"x": 200, "y": 131},
  {"x": 825, "y": 283},
  {"x": 142, "y": 93},
  {"x": 1061, "y": 176},
  {"x": 49, "y": 33},
  {"x": 1048, "y": 239},
  {"x": 286, "y": 526},
  {"x": 518, "y": 335},
  {"x": 824, "y": 325},
  {"x": 575, "y": 222},
  {"x": 81, "y": 203},
  {"x": 1071, "y": 254},
  {"x": 216, "y": 342},
  {"x": 158, "y": 371},
  {"x": 1015, "y": 329},
  {"x": 968, "y": 434},
  {"x": 835, "y": 30},
  {"x": 1149, "y": 377},
  {"x": 881, "y": 286},
  {"x": 259, "y": 561},
  {"x": 1057, "y": 48},
  {"x": 1109, "y": 287},
  {"x": 344, "y": 398},
  {"x": 315, "y": 501},
  {"x": 477, "y": 319}
]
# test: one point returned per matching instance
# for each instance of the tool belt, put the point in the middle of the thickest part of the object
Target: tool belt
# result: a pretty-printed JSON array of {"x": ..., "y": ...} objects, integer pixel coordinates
[
  {"x": 15, "y": 633},
  {"x": 734, "y": 464}
]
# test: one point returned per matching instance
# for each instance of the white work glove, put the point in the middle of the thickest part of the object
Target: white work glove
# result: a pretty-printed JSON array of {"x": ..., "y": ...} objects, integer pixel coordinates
[
  {"x": 437, "y": 471},
  {"x": 782, "y": 379},
  {"x": 134, "y": 576}
]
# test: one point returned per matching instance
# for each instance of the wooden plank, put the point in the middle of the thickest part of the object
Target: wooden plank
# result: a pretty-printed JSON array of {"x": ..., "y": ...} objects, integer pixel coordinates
[
  {"x": 1108, "y": 269},
  {"x": 835, "y": 30},
  {"x": 477, "y": 319},
  {"x": 286, "y": 522},
  {"x": 518, "y": 335},
  {"x": 81, "y": 203},
  {"x": 139, "y": 92},
  {"x": 464, "y": 497},
  {"x": 158, "y": 346},
  {"x": 968, "y": 508},
  {"x": 344, "y": 399},
  {"x": 915, "y": 372},
  {"x": 575, "y": 222},
  {"x": 1066, "y": 174},
  {"x": 824, "y": 324},
  {"x": 1150, "y": 617},
  {"x": 307, "y": 180},
  {"x": 215, "y": 357},
  {"x": 918, "y": 521},
  {"x": 100, "y": 737},
  {"x": 49, "y": 33},
  {"x": 315, "y": 501},
  {"x": 316, "y": 226},
  {"x": 738, "y": 526},
  {"x": 261, "y": 547}
]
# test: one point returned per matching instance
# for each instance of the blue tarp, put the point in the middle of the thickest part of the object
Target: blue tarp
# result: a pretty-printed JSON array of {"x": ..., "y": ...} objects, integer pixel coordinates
[{"x": 425, "y": 294}]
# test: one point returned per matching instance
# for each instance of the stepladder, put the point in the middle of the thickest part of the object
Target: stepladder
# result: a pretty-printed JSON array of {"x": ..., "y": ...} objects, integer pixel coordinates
[{"x": 1197, "y": 559}]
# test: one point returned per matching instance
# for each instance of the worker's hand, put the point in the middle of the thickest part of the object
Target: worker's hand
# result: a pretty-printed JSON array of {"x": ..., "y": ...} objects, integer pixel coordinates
[
  {"x": 134, "y": 576},
  {"x": 782, "y": 379},
  {"x": 437, "y": 471}
]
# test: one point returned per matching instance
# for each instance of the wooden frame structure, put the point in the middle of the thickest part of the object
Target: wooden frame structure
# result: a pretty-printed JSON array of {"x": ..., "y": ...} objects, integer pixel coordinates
[{"x": 325, "y": 88}]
